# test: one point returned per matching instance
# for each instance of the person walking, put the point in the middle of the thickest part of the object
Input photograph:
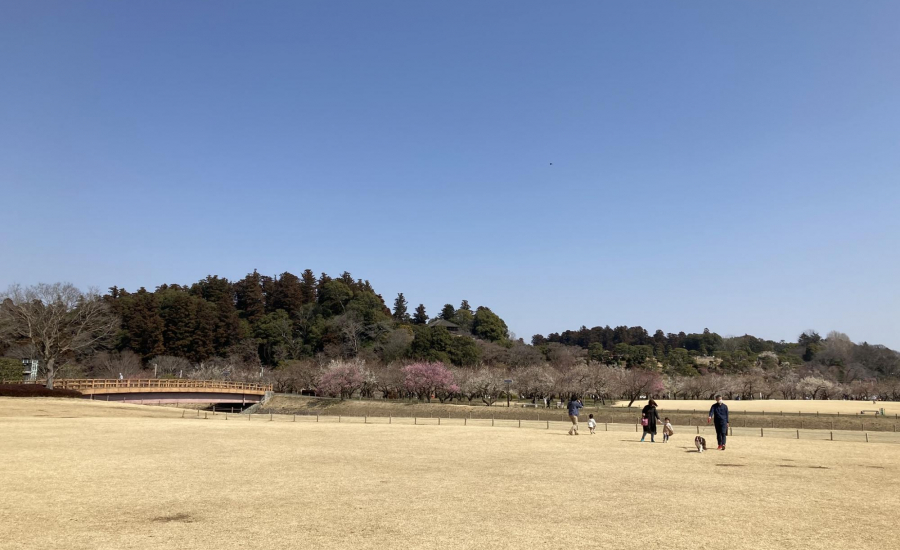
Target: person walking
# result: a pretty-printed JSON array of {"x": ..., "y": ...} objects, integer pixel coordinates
[
  {"x": 574, "y": 407},
  {"x": 718, "y": 415},
  {"x": 649, "y": 419}
]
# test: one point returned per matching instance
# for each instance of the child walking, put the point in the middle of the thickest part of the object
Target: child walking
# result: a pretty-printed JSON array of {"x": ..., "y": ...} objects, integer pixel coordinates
[
  {"x": 667, "y": 430},
  {"x": 592, "y": 424}
]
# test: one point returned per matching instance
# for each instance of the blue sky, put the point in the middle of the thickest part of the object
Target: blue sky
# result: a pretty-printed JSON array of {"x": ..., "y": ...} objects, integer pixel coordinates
[{"x": 732, "y": 166}]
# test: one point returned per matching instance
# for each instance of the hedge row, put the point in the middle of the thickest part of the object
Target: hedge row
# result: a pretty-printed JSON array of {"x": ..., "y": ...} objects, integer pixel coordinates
[{"x": 34, "y": 390}]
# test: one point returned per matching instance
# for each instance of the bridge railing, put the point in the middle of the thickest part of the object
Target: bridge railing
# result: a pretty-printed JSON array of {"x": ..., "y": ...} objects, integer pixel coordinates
[{"x": 157, "y": 383}]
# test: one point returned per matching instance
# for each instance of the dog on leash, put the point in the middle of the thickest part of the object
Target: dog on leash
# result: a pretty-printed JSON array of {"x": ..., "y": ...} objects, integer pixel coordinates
[{"x": 700, "y": 442}]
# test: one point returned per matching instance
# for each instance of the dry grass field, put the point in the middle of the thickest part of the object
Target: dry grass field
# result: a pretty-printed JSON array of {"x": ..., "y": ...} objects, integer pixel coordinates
[
  {"x": 81, "y": 475},
  {"x": 777, "y": 405}
]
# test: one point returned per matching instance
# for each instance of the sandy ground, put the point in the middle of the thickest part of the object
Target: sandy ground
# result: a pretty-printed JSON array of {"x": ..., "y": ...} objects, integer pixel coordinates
[
  {"x": 114, "y": 482},
  {"x": 777, "y": 405}
]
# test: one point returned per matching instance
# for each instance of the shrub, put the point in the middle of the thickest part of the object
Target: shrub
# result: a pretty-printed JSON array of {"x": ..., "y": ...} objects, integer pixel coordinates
[{"x": 34, "y": 390}]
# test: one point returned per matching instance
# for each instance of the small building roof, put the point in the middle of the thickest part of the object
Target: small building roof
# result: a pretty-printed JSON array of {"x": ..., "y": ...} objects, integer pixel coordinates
[{"x": 442, "y": 323}]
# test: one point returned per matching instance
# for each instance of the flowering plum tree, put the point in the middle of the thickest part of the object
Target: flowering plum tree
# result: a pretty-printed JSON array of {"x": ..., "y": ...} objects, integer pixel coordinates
[
  {"x": 428, "y": 379},
  {"x": 342, "y": 378}
]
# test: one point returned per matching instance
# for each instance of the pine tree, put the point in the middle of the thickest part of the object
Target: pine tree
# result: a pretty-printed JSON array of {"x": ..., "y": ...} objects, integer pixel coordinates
[
  {"x": 465, "y": 305},
  {"x": 420, "y": 318},
  {"x": 249, "y": 296},
  {"x": 448, "y": 312},
  {"x": 145, "y": 325},
  {"x": 400, "y": 312},
  {"x": 308, "y": 286},
  {"x": 287, "y": 294}
]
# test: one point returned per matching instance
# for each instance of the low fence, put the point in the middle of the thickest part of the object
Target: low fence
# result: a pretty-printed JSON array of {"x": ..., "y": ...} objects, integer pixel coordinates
[{"x": 684, "y": 433}]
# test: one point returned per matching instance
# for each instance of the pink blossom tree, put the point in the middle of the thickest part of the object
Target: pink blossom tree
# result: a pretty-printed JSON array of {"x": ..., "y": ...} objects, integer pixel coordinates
[
  {"x": 427, "y": 379},
  {"x": 342, "y": 378}
]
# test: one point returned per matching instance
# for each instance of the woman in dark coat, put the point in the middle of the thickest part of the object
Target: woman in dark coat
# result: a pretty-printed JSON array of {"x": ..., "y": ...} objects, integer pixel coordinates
[{"x": 649, "y": 412}]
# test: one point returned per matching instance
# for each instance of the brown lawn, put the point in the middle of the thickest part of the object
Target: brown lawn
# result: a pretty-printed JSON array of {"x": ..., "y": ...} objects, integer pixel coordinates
[{"x": 95, "y": 479}]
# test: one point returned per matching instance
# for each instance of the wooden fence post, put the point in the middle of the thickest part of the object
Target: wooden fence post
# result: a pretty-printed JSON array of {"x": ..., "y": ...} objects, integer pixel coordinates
[
  {"x": 548, "y": 424},
  {"x": 761, "y": 432},
  {"x": 832, "y": 436},
  {"x": 520, "y": 422},
  {"x": 182, "y": 413},
  {"x": 798, "y": 434},
  {"x": 867, "y": 437}
]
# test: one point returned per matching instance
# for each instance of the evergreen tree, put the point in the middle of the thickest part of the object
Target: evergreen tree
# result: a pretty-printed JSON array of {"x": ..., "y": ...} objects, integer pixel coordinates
[
  {"x": 228, "y": 329},
  {"x": 287, "y": 294},
  {"x": 487, "y": 325},
  {"x": 400, "y": 312},
  {"x": 145, "y": 326},
  {"x": 464, "y": 319},
  {"x": 420, "y": 318},
  {"x": 465, "y": 305},
  {"x": 308, "y": 286},
  {"x": 249, "y": 297},
  {"x": 334, "y": 297},
  {"x": 448, "y": 312}
]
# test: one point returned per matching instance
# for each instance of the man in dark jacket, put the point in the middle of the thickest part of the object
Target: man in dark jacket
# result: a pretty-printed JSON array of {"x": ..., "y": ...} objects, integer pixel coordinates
[
  {"x": 718, "y": 415},
  {"x": 574, "y": 405}
]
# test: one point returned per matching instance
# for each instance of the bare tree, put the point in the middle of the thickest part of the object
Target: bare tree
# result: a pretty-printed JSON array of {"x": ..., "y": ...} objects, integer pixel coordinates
[
  {"x": 522, "y": 355},
  {"x": 388, "y": 379},
  {"x": 111, "y": 365},
  {"x": 536, "y": 382},
  {"x": 395, "y": 343},
  {"x": 168, "y": 366},
  {"x": 634, "y": 383},
  {"x": 352, "y": 329},
  {"x": 603, "y": 382},
  {"x": 56, "y": 321},
  {"x": 297, "y": 376}
]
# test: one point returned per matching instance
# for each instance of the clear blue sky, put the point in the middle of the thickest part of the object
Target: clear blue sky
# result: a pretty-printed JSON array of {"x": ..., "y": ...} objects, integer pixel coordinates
[{"x": 726, "y": 165}]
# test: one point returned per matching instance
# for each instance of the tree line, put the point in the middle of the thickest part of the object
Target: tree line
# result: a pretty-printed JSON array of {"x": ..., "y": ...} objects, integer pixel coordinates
[{"x": 294, "y": 330}]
